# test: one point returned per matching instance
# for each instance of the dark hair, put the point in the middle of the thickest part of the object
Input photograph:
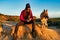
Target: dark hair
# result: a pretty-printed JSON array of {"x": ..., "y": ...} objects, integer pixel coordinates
[
  {"x": 44, "y": 10},
  {"x": 27, "y": 6}
]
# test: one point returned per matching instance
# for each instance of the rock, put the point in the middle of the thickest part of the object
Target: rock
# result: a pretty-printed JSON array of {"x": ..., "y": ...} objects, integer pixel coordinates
[
  {"x": 41, "y": 33},
  {"x": 24, "y": 33}
]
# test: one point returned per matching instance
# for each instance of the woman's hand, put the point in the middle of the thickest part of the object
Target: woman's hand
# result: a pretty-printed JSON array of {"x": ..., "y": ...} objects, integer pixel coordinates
[{"x": 28, "y": 20}]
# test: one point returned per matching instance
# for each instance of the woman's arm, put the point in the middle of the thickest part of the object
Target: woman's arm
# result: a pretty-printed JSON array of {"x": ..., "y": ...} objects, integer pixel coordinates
[{"x": 22, "y": 16}]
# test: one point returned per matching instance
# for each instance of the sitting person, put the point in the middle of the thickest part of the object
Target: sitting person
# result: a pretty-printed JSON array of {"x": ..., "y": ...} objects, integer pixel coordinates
[{"x": 26, "y": 17}]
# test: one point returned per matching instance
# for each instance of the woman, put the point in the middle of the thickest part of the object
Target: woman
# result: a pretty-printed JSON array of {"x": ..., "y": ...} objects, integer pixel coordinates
[{"x": 26, "y": 17}]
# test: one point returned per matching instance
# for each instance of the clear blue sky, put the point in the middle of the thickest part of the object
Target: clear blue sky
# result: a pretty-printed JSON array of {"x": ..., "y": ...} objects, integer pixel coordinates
[{"x": 14, "y": 7}]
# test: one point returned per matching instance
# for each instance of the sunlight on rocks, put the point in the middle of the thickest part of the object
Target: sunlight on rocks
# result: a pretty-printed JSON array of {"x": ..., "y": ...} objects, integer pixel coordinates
[{"x": 42, "y": 33}]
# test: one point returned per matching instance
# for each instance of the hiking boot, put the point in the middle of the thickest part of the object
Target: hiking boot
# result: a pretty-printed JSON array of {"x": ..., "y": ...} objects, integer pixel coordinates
[{"x": 33, "y": 33}]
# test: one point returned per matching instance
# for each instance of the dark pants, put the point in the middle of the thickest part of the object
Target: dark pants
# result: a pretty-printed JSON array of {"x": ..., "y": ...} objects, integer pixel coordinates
[
  {"x": 31, "y": 22},
  {"x": 23, "y": 23},
  {"x": 33, "y": 32},
  {"x": 16, "y": 29}
]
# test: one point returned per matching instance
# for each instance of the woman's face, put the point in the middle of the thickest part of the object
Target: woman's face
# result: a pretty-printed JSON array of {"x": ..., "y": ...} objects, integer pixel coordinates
[{"x": 28, "y": 10}]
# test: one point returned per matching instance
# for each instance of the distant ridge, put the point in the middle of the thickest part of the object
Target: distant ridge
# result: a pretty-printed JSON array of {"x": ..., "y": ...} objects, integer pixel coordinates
[{"x": 4, "y": 17}]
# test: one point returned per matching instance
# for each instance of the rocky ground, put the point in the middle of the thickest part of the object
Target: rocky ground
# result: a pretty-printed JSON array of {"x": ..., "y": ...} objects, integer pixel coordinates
[{"x": 42, "y": 33}]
